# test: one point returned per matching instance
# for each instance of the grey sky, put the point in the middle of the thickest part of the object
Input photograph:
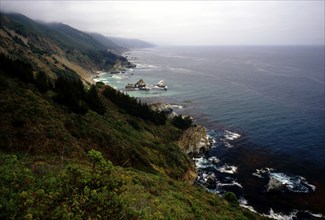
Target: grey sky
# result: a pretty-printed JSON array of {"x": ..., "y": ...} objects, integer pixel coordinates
[{"x": 187, "y": 22}]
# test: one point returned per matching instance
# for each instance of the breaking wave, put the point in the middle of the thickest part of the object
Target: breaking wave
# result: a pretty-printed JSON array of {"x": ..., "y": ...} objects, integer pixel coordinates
[
  {"x": 293, "y": 215},
  {"x": 278, "y": 181}
]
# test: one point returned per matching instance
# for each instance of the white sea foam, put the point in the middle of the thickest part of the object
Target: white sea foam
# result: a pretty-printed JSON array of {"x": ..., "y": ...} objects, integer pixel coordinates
[
  {"x": 146, "y": 66},
  {"x": 100, "y": 73},
  {"x": 202, "y": 163},
  {"x": 229, "y": 135},
  {"x": 227, "y": 144},
  {"x": 280, "y": 216},
  {"x": 177, "y": 106},
  {"x": 276, "y": 215},
  {"x": 244, "y": 203},
  {"x": 118, "y": 76},
  {"x": 292, "y": 183},
  {"x": 233, "y": 183},
  {"x": 227, "y": 169},
  {"x": 260, "y": 173},
  {"x": 176, "y": 69},
  {"x": 214, "y": 160},
  {"x": 291, "y": 216}
]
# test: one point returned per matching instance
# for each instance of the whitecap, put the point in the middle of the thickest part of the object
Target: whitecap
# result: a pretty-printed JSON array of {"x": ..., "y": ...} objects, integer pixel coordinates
[
  {"x": 244, "y": 203},
  {"x": 281, "y": 216},
  {"x": 232, "y": 183},
  {"x": 100, "y": 73},
  {"x": 231, "y": 135},
  {"x": 283, "y": 181},
  {"x": 214, "y": 160},
  {"x": 227, "y": 169},
  {"x": 118, "y": 76},
  {"x": 202, "y": 163},
  {"x": 227, "y": 144},
  {"x": 261, "y": 173},
  {"x": 293, "y": 183},
  {"x": 177, "y": 106}
]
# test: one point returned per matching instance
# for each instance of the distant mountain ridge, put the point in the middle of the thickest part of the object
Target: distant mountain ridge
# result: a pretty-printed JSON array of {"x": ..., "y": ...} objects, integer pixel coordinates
[
  {"x": 124, "y": 43},
  {"x": 58, "y": 48}
]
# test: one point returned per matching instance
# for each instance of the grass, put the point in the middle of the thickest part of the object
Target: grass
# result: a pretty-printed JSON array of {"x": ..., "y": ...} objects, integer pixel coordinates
[
  {"x": 34, "y": 187},
  {"x": 58, "y": 164}
]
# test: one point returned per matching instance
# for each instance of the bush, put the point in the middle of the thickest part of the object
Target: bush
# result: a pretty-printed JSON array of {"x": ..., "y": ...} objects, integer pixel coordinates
[
  {"x": 42, "y": 82},
  {"x": 231, "y": 197},
  {"x": 24, "y": 72},
  {"x": 182, "y": 122},
  {"x": 16, "y": 68},
  {"x": 134, "y": 107},
  {"x": 75, "y": 192}
]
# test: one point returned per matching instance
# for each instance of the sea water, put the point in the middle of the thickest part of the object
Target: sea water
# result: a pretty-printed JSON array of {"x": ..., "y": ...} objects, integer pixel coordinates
[{"x": 264, "y": 109}]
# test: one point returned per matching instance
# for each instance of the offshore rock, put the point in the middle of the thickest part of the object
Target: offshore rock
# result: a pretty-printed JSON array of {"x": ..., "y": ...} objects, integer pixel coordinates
[{"x": 275, "y": 185}]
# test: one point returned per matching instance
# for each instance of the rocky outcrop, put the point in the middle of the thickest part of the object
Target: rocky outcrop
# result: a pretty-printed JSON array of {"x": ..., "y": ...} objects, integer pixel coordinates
[
  {"x": 275, "y": 185},
  {"x": 162, "y": 107},
  {"x": 190, "y": 175},
  {"x": 195, "y": 141}
]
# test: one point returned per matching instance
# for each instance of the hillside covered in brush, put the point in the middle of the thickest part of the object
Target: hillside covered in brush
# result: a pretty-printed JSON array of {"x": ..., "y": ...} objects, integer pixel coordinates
[
  {"x": 57, "y": 48},
  {"x": 72, "y": 150}
]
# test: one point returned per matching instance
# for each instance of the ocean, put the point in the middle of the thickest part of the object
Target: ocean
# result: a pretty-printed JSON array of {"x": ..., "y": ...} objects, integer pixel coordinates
[{"x": 264, "y": 109}]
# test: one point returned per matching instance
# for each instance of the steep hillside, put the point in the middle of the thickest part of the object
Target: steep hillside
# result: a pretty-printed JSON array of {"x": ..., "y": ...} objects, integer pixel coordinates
[
  {"x": 56, "y": 48},
  {"x": 123, "y": 43},
  {"x": 108, "y": 43},
  {"x": 131, "y": 43},
  {"x": 49, "y": 169},
  {"x": 70, "y": 151}
]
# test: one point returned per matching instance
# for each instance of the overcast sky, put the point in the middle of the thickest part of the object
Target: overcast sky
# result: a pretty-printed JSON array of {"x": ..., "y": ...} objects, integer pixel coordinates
[{"x": 187, "y": 22}]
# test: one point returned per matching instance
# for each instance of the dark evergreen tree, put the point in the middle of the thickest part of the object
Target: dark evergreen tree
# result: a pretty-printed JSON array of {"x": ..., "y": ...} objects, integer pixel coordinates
[
  {"x": 182, "y": 122},
  {"x": 42, "y": 82},
  {"x": 94, "y": 101},
  {"x": 72, "y": 94}
]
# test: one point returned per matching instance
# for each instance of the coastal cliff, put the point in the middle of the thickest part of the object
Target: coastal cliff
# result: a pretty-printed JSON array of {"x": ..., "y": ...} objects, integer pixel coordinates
[
  {"x": 70, "y": 150},
  {"x": 194, "y": 141}
]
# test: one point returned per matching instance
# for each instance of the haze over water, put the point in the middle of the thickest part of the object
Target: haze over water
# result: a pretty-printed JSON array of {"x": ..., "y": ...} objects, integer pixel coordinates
[{"x": 271, "y": 97}]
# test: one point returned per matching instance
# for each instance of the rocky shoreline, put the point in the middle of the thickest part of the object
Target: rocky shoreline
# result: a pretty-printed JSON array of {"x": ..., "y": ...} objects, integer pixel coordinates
[{"x": 194, "y": 142}]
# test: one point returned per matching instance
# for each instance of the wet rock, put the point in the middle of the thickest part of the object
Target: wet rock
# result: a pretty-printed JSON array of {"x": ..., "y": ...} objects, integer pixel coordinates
[{"x": 275, "y": 185}]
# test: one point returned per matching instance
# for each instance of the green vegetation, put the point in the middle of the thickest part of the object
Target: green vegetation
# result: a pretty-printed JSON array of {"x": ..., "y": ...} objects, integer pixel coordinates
[
  {"x": 41, "y": 43},
  {"x": 56, "y": 174},
  {"x": 182, "y": 122},
  {"x": 231, "y": 197},
  {"x": 70, "y": 151},
  {"x": 16, "y": 68},
  {"x": 35, "y": 188},
  {"x": 134, "y": 107},
  {"x": 67, "y": 191}
]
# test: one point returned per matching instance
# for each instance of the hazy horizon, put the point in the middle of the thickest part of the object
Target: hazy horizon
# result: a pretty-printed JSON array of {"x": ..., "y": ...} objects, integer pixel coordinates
[{"x": 187, "y": 23}]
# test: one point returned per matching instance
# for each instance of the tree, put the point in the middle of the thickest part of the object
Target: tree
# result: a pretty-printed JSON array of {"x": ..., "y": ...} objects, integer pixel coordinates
[{"x": 94, "y": 101}]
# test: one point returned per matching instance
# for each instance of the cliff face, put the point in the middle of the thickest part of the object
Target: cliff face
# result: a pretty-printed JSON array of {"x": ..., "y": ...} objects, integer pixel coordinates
[{"x": 194, "y": 140}]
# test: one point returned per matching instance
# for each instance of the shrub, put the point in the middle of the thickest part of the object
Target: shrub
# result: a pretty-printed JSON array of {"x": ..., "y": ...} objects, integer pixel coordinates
[
  {"x": 42, "y": 82},
  {"x": 16, "y": 68},
  {"x": 75, "y": 192},
  {"x": 182, "y": 122},
  {"x": 231, "y": 197},
  {"x": 134, "y": 107}
]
